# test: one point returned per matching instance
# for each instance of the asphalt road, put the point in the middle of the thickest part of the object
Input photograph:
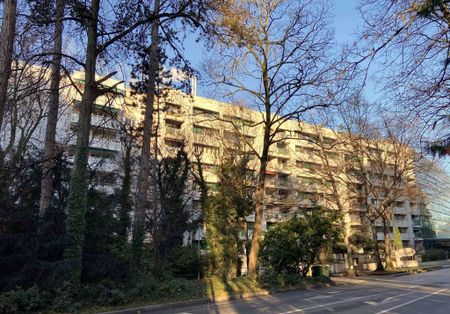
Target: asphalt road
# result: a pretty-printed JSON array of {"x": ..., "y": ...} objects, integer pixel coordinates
[{"x": 427, "y": 293}]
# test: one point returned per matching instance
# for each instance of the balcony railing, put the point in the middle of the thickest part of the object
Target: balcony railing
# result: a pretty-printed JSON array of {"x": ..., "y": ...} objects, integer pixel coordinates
[{"x": 173, "y": 131}]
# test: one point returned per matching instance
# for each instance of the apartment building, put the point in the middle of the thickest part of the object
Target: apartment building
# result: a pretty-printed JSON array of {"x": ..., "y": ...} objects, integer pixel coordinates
[{"x": 304, "y": 162}]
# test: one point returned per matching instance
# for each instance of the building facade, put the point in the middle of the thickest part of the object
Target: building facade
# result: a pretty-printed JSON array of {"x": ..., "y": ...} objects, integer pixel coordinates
[{"x": 309, "y": 165}]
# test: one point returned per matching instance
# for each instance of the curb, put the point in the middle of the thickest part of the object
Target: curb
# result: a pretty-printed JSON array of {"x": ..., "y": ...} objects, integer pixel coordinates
[
  {"x": 245, "y": 296},
  {"x": 159, "y": 307}
]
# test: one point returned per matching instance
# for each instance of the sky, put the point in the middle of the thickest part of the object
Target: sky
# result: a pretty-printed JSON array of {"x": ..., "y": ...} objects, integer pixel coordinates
[{"x": 346, "y": 21}]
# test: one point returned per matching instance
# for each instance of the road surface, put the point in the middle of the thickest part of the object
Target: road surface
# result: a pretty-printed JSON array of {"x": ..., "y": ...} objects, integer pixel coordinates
[{"x": 422, "y": 293}]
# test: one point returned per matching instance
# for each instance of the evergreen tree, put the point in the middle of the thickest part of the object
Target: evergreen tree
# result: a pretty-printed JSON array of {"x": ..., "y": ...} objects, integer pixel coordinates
[
  {"x": 398, "y": 244},
  {"x": 225, "y": 216}
]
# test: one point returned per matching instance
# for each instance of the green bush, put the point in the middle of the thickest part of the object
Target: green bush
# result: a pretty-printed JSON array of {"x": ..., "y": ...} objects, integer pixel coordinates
[
  {"x": 22, "y": 301},
  {"x": 293, "y": 246},
  {"x": 66, "y": 299},
  {"x": 187, "y": 262},
  {"x": 144, "y": 288},
  {"x": 180, "y": 289},
  {"x": 272, "y": 279},
  {"x": 434, "y": 255}
]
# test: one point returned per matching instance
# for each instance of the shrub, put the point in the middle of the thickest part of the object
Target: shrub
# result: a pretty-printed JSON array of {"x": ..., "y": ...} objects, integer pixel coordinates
[
  {"x": 180, "y": 289},
  {"x": 434, "y": 255},
  {"x": 273, "y": 279},
  {"x": 293, "y": 246},
  {"x": 187, "y": 262},
  {"x": 22, "y": 301},
  {"x": 144, "y": 288}
]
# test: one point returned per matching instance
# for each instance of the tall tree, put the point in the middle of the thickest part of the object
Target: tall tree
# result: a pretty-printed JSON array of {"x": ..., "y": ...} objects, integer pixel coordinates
[
  {"x": 50, "y": 149},
  {"x": 7, "y": 34},
  {"x": 176, "y": 16},
  {"x": 275, "y": 54},
  {"x": 380, "y": 160},
  {"x": 101, "y": 31},
  {"x": 144, "y": 162},
  {"x": 225, "y": 215},
  {"x": 168, "y": 221},
  {"x": 328, "y": 146}
]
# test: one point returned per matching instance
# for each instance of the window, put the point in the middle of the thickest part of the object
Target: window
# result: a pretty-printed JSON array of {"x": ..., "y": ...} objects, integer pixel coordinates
[
  {"x": 400, "y": 204},
  {"x": 309, "y": 181},
  {"x": 172, "y": 145},
  {"x": 196, "y": 205},
  {"x": 205, "y": 113},
  {"x": 306, "y": 136},
  {"x": 205, "y": 149},
  {"x": 102, "y": 153},
  {"x": 309, "y": 166},
  {"x": 311, "y": 152},
  {"x": 281, "y": 148},
  {"x": 173, "y": 109},
  {"x": 105, "y": 178},
  {"x": 231, "y": 137},
  {"x": 102, "y": 132},
  {"x": 329, "y": 140},
  {"x": 105, "y": 111},
  {"x": 238, "y": 122},
  {"x": 211, "y": 186},
  {"x": 197, "y": 130},
  {"x": 332, "y": 155},
  {"x": 282, "y": 164},
  {"x": 208, "y": 132},
  {"x": 173, "y": 128}
]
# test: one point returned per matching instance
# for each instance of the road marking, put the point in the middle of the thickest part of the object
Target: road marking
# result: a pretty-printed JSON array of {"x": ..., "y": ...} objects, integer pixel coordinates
[
  {"x": 325, "y": 304},
  {"x": 412, "y": 301},
  {"x": 398, "y": 295}
]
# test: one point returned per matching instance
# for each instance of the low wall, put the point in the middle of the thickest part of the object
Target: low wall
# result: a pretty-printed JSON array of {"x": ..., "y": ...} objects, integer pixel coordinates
[{"x": 434, "y": 263}]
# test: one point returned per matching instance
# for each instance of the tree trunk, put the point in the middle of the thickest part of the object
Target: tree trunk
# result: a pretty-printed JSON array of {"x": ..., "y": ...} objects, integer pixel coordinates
[
  {"x": 77, "y": 201},
  {"x": 259, "y": 211},
  {"x": 6, "y": 50},
  {"x": 377, "y": 248},
  {"x": 260, "y": 185},
  {"x": 349, "y": 251},
  {"x": 342, "y": 211},
  {"x": 144, "y": 169},
  {"x": 50, "y": 150},
  {"x": 125, "y": 202},
  {"x": 387, "y": 243}
]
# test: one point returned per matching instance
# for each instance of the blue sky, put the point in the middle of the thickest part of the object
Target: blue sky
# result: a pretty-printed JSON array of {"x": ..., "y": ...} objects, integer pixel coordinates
[{"x": 346, "y": 22}]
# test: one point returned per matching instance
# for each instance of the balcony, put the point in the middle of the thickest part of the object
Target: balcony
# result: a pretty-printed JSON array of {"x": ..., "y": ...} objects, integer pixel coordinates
[
  {"x": 97, "y": 121},
  {"x": 173, "y": 132},
  {"x": 279, "y": 182},
  {"x": 417, "y": 223},
  {"x": 174, "y": 111}
]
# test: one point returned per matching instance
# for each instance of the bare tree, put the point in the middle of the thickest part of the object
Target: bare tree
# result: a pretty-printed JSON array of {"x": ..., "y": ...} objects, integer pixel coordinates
[
  {"x": 380, "y": 160},
  {"x": 329, "y": 146},
  {"x": 273, "y": 53},
  {"x": 409, "y": 41}
]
